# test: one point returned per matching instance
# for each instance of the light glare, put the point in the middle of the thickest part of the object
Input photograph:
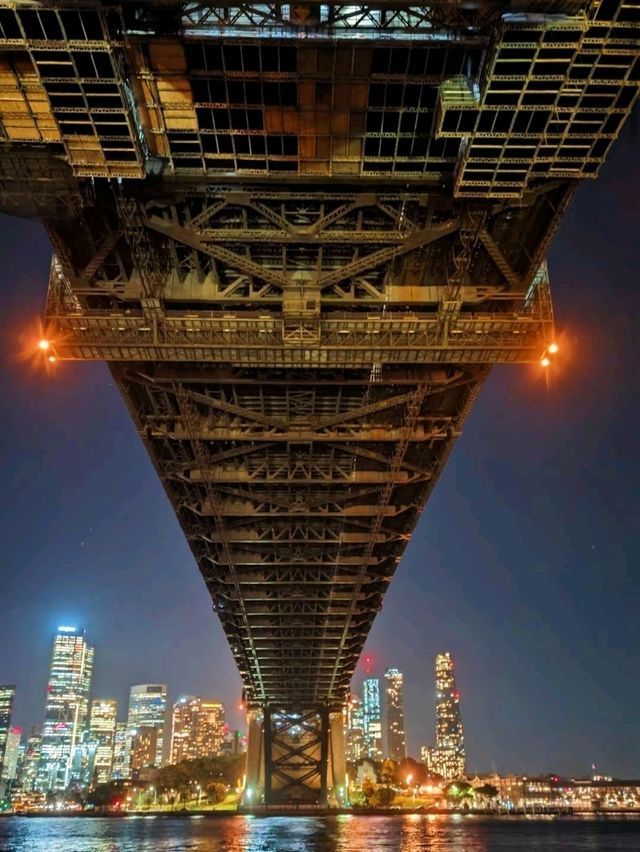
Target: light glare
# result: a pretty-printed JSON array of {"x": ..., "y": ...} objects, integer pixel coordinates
[{"x": 43, "y": 344}]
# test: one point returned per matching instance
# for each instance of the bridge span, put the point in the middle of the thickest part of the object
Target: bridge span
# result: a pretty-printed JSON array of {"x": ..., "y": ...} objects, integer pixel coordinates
[{"x": 300, "y": 235}]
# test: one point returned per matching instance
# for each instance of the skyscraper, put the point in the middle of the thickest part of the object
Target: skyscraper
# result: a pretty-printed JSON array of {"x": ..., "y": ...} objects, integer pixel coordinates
[
  {"x": 354, "y": 729},
  {"x": 448, "y": 756},
  {"x": 148, "y": 708},
  {"x": 372, "y": 718},
  {"x": 102, "y": 729},
  {"x": 144, "y": 751},
  {"x": 11, "y": 754},
  {"x": 197, "y": 728},
  {"x": 29, "y": 771},
  {"x": 7, "y": 694},
  {"x": 396, "y": 747},
  {"x": 66, "y": 708},
  {"x": 121, "y": 752}
]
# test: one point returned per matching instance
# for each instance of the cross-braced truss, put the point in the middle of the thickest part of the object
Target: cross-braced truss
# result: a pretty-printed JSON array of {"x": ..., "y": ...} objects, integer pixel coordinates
[
  {"x": 301, "y": 235},
  {"x": 297, "y": 491}
]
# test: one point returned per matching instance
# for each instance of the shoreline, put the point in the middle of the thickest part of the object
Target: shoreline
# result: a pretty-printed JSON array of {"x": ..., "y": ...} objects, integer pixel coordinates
[{"x": 324, "y": 812}]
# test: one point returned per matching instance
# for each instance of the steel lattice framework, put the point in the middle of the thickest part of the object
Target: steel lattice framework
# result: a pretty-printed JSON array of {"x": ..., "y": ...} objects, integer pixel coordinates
[{"x": 300, "y": 236}]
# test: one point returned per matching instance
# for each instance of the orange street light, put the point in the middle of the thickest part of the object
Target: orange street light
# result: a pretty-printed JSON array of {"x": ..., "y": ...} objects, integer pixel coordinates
[
  {"x": 43, "y": 345},
  {"x": 553, "y": 348}
]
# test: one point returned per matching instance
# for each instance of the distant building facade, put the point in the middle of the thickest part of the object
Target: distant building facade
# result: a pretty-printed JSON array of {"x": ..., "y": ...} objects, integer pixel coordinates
[
  {"x": 198, "y": 728},
  {"x": 121, "y": 768},
  {"x": 395, "y": 742},
  {"x": 7, "y": 696},
  {"x": 29, "y": 769},
  {"x": 11, "y": 755},
  {"x": 66, "y": 708},
  {"x": 102, "y": 730},
  {"x": 354, "y": 729},
  {"x": 372, "y": 718},
  {"x": 144, "y": 751},
  {"x": 148, "y": 708},
  {"x": 448, "y": 756}
]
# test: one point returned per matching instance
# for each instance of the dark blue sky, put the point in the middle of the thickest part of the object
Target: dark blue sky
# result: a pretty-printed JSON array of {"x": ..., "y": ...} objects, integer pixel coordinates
[{"x": 524, "y": 564}]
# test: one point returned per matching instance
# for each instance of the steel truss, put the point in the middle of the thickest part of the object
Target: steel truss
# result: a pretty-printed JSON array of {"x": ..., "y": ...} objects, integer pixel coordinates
[
  {"x": 328, "y": 223},
  {"x": 296, "y": 747},
  {"x": 333, "y": 476}
]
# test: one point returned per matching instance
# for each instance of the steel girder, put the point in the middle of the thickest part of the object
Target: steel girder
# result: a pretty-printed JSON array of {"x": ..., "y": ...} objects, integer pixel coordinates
[{"x": 297, "y": 527}]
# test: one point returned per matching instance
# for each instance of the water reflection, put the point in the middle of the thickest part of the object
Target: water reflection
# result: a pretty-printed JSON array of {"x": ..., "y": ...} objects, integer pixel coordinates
[{"x": 352, "y": 833}]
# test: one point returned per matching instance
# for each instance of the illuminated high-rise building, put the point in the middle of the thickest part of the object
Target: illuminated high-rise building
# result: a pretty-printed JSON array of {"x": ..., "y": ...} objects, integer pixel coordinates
[
  {"x": 102, "y": 730},
  {"x": 354, "y": 729},
  {"x": 7, "y": 695},
  {"x": 396, "y": 747},
  {"x": 448, "y": 756},
  {"x": 11, "y": 755},
  {"x": 121, "y": 752},
  {"x": 28, "y": 774},
  {"x": 372, "y": 718},
  {"x": 67, "y": 707},
  {"x": 198, "y": 728},
  {"x": 148, "y": 708},
  {"x": 144, "y": 750}
]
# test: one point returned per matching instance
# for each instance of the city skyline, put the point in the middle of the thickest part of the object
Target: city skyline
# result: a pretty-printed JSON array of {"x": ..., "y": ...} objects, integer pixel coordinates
[{"x": 527, "y": 544}]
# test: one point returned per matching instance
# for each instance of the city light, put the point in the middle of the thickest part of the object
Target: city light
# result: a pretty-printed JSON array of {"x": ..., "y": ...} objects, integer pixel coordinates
[
  {"x": 545, "y": 361},
  {"x": 44, "y": 345},
  {"x": 552, "y": 348}
]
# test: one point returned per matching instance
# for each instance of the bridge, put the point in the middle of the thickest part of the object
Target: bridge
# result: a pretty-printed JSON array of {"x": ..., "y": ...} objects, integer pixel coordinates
[{"x": 300, "y": 235}]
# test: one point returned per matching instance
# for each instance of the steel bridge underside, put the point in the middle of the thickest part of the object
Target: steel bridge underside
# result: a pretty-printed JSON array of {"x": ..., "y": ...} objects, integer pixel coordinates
[{"x": 300, "y": 236}]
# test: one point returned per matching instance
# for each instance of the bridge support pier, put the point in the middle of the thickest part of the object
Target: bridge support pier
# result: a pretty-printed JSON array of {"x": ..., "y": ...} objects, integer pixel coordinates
[
  {"x": 254, "y": 782},
  {"x": 338, "y": 794},
  {"x": 295, "y": 758}
]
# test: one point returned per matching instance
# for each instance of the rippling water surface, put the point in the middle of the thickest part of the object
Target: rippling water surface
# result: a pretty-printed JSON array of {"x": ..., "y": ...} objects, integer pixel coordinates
[{"x": 326, "y": 834}]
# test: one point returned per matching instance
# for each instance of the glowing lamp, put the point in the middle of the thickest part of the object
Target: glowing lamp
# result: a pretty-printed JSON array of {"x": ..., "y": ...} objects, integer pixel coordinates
[
  {"x": 553, "y": 348},
  {"x": 545, "y": 362},
  {"x": 51, "y": 359},
  {"x": 43, "y": 345}
]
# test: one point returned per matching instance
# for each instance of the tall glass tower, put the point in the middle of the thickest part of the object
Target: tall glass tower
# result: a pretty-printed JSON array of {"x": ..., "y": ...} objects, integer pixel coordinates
[
  {"x": 148, "y": 709},
  {"x": 372, "y": 718},
  {"x": 102, "y": 727},
  {"x": 67, "y": 706},
  {"x": 7, "y": 694},
  {"x": 396, "y": 747},
  {"x": 448, "y": 757},
  {"x": 354, "y": 729}
]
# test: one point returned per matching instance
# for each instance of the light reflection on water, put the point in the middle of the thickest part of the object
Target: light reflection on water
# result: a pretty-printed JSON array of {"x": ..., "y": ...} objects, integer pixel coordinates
[{"x": 346, "y": 833}]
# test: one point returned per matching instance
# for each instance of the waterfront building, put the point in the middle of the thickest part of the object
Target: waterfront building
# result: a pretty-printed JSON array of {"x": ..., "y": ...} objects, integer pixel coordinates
[
  {"x": 354, "y": 729},
  {"x": 372, "y": 718},
  {"x": 144, "y": 748},
  {"x": 84, "y": 759},
  {"x": 148, "y": 708},
  {"x": 28, "y": 772},
  {"x": 198, "y": 728},
  {"x": 448, "y": 757},
  {"x": 7, "y": 695},
  {"x": 11, "y": 755},
  {"x": 66, "y": 708},
  {"x": 121, "y": 768},
  {"x": 395, "y": 744},
  {"x": 102, "y": 729}
]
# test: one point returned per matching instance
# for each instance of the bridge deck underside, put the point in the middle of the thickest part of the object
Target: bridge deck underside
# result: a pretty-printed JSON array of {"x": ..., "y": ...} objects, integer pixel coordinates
[{"x": 297, "y": 491}]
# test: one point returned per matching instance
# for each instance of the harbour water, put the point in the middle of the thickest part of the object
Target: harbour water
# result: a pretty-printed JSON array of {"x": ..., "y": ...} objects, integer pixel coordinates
[{"x": 412, "y": 833}]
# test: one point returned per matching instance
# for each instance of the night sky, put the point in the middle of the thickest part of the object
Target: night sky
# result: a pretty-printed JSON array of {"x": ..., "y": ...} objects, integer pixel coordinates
[{"x": 524, "y": 564}]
